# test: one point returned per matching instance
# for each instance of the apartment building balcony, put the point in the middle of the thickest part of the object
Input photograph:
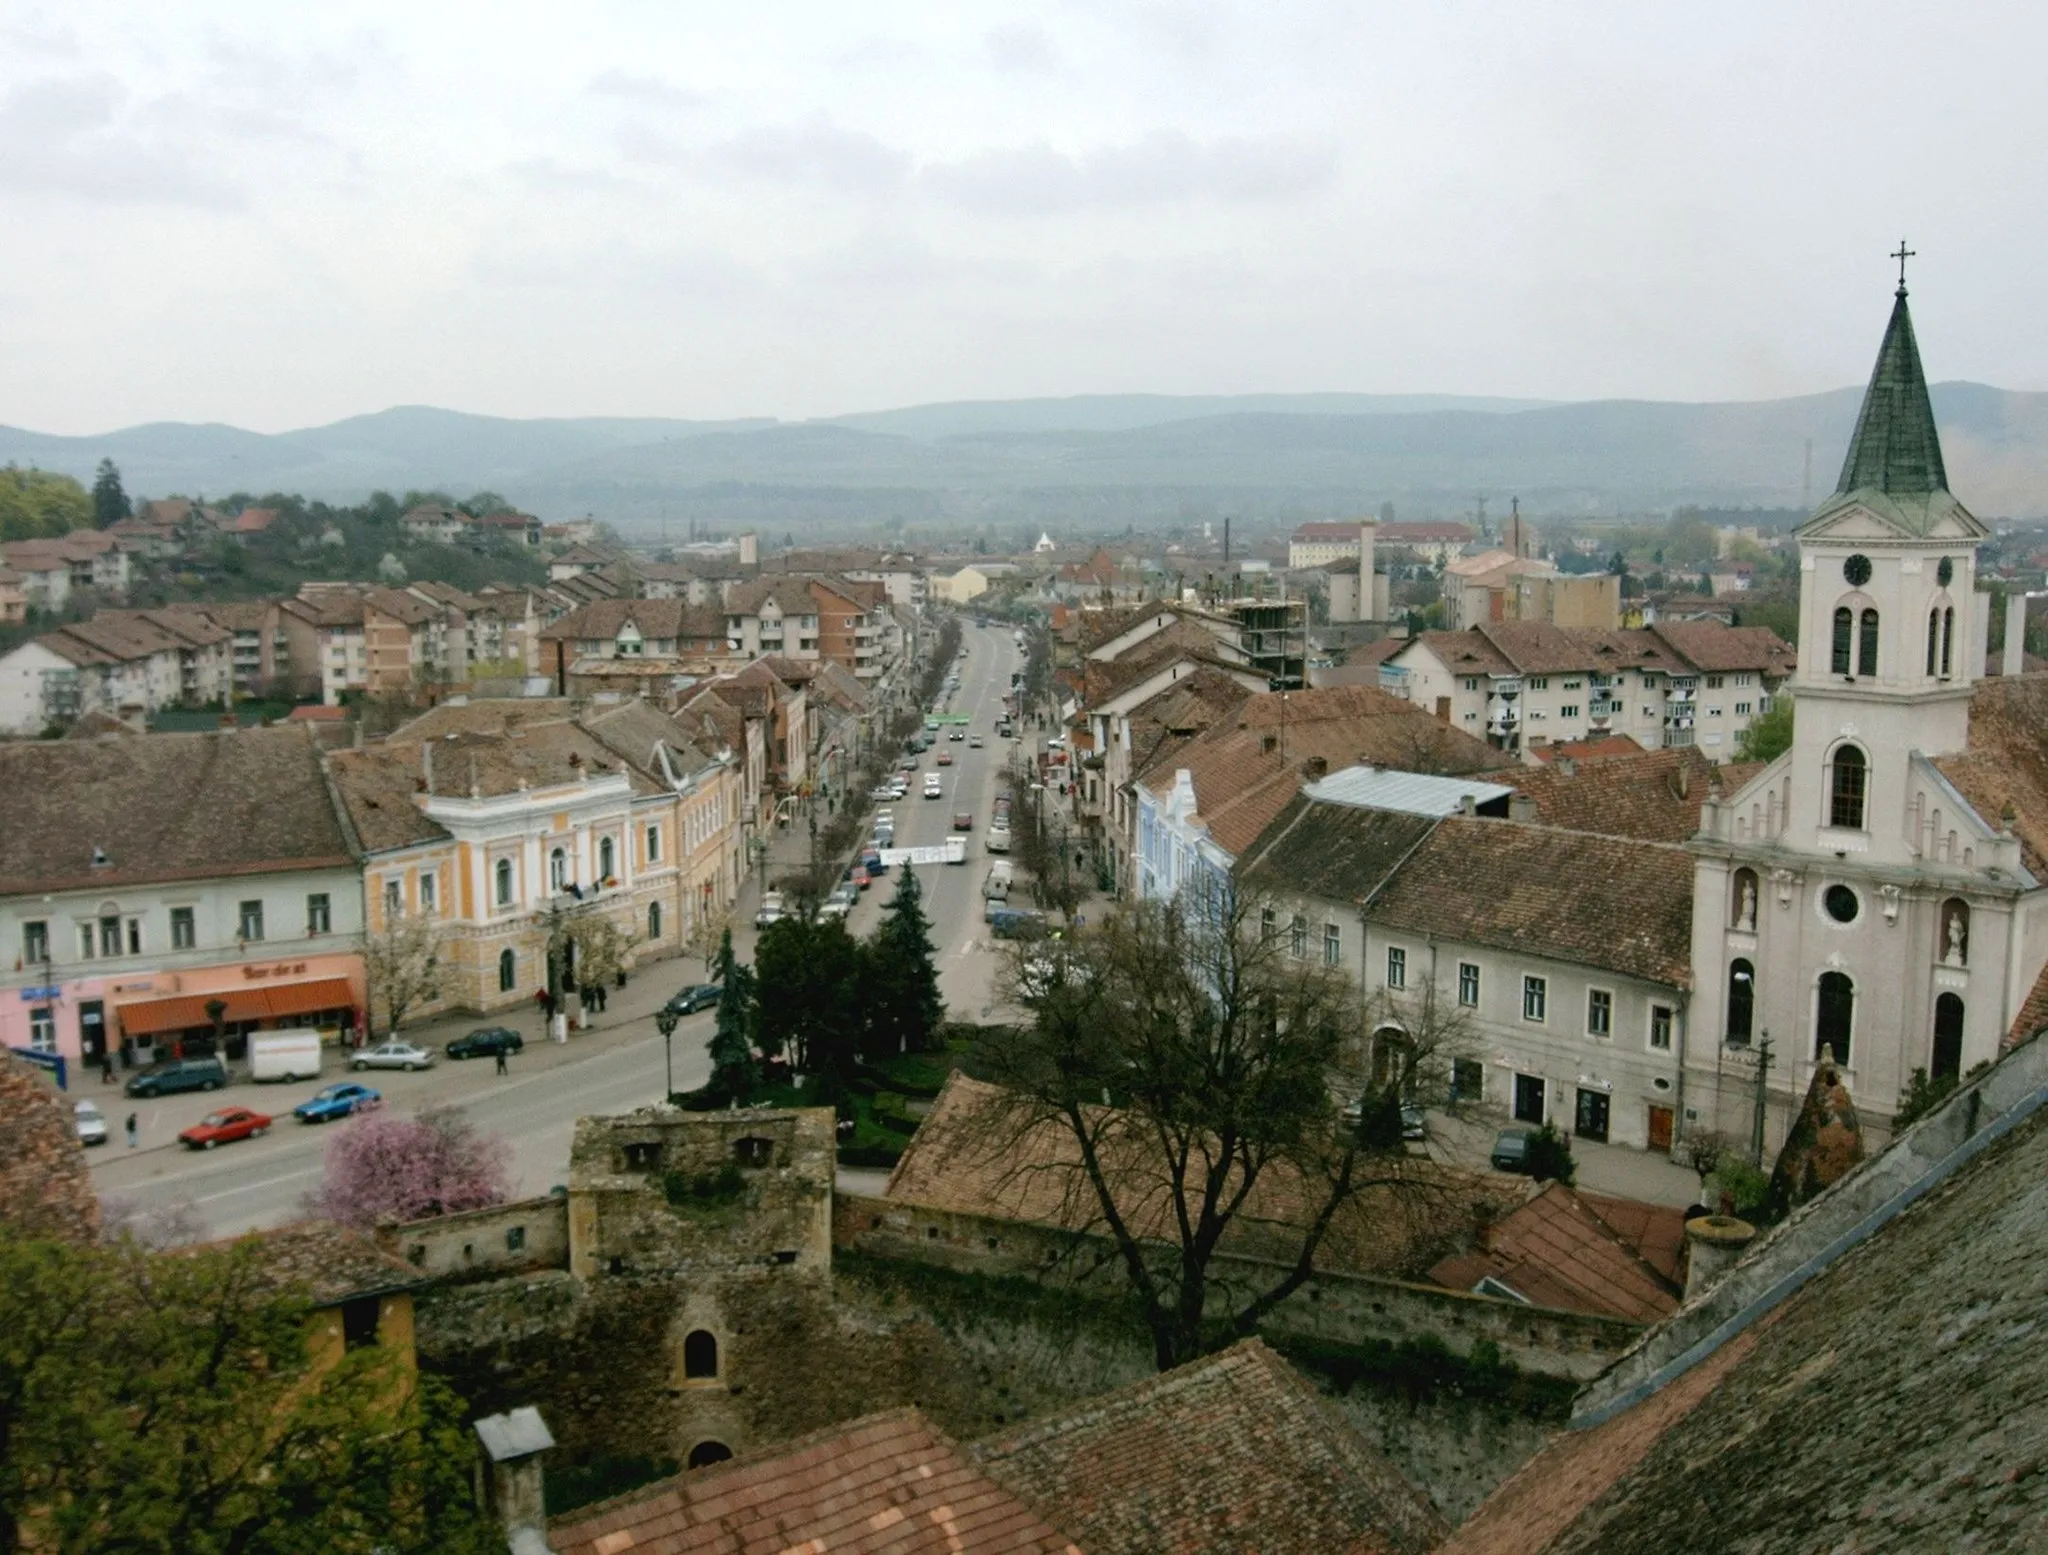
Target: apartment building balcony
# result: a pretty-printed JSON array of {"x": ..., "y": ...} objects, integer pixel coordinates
[
  {"x": 1397, "y": 680},
  {"x": 1683, "y": 691}
]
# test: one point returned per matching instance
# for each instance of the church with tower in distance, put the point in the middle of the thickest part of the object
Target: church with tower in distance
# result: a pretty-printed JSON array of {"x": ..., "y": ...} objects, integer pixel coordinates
[{"x": 1879, "y": 891}]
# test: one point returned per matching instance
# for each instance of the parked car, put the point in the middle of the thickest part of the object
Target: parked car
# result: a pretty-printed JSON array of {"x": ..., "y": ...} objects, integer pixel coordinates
[
  {"x": 90, "y": 1122},
  {"x": 963, "y": 820},
  {"x": 393, "y": 1055},
  {"x": 178, "y": 1074},
  {"x": 224, "y": 1127},
  {"x": 771, "y": 910},
  {"x": 882, "y": 791},
  {"x": 997, "y": 840},
  {"x": 484, "y": 1042},
  {"x": 871, "y": 861},
  {"x": 698, "y": 996},
  {"x": 1413, "y": 1125},
  {"x": 884, "y": 837},
  {"x": 1016, "y": 923},
  {"x": 840, "y": 902},
  {"x": 885, "y": 817},
  {"x": 861, "y": 878},
  {"x": 337, "y": 1101},
  {"x": 1511, "y": 1150}
]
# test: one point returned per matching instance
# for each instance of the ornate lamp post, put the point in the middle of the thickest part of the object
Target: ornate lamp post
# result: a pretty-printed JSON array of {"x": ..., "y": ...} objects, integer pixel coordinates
[{"x": 665, "y": 1020}]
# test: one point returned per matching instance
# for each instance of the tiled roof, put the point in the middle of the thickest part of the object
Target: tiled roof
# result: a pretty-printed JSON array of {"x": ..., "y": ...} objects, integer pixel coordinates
[
  {"x": 790, "y": 591},
  {"x": 1229, "y": 1453},
  {"x": 1714, "y": 648},
  {"x": 1651, "y": 795},
  {"x": 1561, "y": 1250},
  {"x": 1621, "y": 905},
  {"x": 1465, "y": 653},
  {"x": 329, "y": 1262},
  {"x": 45, "y": 1186},
  {"x": 2006, "y": 763},
  {"x": 1377, "y": 652},
  {"x": 1411, "y": 534},
  {"x": 1596, "y": 748},
  {"x": 652, "y": 618},
  {"x": 1313, "y": 532},
  {"x": 889, "y": 1484},
  {"x": 400, "y": 606},
  {"x": 1334, "y": 852},
  {"x": 164, "y": 807},
  {"x": 1892, "y": 1403},
  {"x": 974, "y": 1155}
]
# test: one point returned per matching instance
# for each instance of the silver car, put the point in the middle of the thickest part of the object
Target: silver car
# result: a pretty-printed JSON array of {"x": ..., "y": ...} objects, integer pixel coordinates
[
  {"x": 393, "y": 1055},
  {"x": 92, "y": 1123}
]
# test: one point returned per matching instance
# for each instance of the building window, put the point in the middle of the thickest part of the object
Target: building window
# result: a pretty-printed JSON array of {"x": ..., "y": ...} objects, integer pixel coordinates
[
  {"x": 654, "y": 844},
  {"x": 1539, "y": 682},
  {"x": 606, "y": 859},
  {"x": 1397, "y": 967},
  {"x": 700, "y": 1354},
  {"x": 503, "y": 873},
  {"x": 1948, "y": 638},
  {"x": 654, "y": 920},
  {"x": 1947, "y": 1062},
  {"x": 1468, "y": 985},
  {"x": 1846, "y": 780},
  {"x": 1933, "y": 638},
  {"x": 35, "y": 940},
  {"x": 1535, "y": 998},
  {"x": 319, "y": 915},
  {"x": 251, "y": 915},
  {"x": 359, "y": 1321},
  {"x": 1333, "y": 945},
  {"x": 184, "y": 934},
  {"x": 1835, "y": 1016},
  {"x": 1713, "y": 712},
  {"x": 558, "y": 871},
  {"x": 508, "y": 971},
  {"x": 110, "y": 936},
  {"x": 1599, "y": 1013},
  {"x": 394, "y": 898},
  {"x": 1741, "y": 709},
  {"x": 1660, "y": 1028},
  {"x": 429, "y": 891},
  {"x": 1297, "y": 937},
  {"x": 1713, "y": 682},
  {"x": 42, "y": 1029},
  {"x": 1468, "y": 1080},
  {"x": 1472, "y": 684},
  {"x": 1845, "y": 631},
  {"x": 1568, "y": 710},
  {"x": 1866, "y": 644},
  {"x": 1741, "y": 1000}
]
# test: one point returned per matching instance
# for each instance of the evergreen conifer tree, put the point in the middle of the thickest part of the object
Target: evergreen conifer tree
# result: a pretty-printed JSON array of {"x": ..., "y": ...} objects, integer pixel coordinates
[
  {"x": 731, "y": 1046},
  {"x": 109, "y": 501},
  {"x": 905, "y": 1009}
]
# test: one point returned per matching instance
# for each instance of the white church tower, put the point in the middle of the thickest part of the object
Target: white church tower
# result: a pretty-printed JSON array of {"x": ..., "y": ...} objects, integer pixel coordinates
[{"x": 1849, "y": 896}]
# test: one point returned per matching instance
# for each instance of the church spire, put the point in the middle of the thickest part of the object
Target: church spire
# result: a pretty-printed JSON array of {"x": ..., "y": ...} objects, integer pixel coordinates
[{"x": 1896, "y": 449}]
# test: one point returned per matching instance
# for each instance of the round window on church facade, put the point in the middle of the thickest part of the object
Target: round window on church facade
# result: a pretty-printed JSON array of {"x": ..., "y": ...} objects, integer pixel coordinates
[
  {"x": 1841, "y": 904},
  {"x": 1857, "y": 570},
  {"x": 1945, "y": 573}
]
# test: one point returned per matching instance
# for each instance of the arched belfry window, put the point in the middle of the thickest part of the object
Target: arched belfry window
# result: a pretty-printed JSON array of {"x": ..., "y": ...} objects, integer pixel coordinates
[
  {"x": 1933, "y": 639},
  {"x": 1948, "y": 640},
  {"x": 1834, "y": 1015},
  {"x": 1866, "y": 645},
  {"x": 1845, "y": 631},
  {"x": 1741, "y": 999},
  {"x": 1848, "y": 781},
  {"x": 1948, "y": 1039}
]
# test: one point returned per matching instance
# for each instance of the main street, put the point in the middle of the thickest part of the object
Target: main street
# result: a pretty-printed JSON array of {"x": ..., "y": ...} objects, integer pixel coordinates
[{"x": 615, "y": 1066}]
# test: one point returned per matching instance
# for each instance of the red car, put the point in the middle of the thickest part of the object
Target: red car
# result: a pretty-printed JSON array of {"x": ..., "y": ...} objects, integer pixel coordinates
[
  {"x": 945, "y": 758},
  {"x": 963, "y": 820},
  {"x": 229, "y": 1123},
  {"x": 860, "y": 877}
]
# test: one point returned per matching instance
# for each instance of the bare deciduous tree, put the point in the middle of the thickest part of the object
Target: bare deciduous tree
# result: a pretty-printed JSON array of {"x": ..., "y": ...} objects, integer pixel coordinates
[
  {"x": 1194, "y": 1070},
  {"x": 404, "y": 966}
]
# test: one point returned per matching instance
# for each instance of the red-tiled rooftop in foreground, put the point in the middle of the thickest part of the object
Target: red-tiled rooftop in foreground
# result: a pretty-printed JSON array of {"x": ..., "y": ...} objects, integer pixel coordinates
[
  {"x": 887, "y": 1483},
  {"x": 1581, "y": 1252}
]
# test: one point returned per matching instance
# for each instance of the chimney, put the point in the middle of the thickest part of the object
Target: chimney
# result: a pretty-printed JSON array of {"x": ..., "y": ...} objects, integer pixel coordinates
[
  {"x": 1684, "y": 779},
  {"x": 511, "y": 1476},
  {"x": 1316, "y": 768},
  {"x": 1268, "y": 743},
  {"x": 1567, "y": 766},
  {"x": 1521, "y": 808},
  {"x": 2015, "y": 661},
  {"x": 1467, "y": 805},
  {"x": 1713, "y": 1245},
  {"x": 427, "y": 765}
]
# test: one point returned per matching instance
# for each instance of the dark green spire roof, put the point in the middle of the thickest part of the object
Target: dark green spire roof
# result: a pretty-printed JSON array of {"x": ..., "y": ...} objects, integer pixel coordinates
[{"x": 1896, "y": 449}]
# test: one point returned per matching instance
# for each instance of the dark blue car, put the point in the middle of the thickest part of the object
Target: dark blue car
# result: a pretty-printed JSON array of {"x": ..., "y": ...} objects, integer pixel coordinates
[{"x": 337, "y": 1101}]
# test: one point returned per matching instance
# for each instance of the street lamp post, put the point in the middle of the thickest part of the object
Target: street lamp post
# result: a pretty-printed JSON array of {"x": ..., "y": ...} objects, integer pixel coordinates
[{"x": 665, "y": 1020}]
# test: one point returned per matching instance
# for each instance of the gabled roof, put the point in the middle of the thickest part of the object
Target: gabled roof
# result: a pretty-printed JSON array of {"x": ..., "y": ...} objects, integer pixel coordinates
[
  {"x": 1714, "y": 648},
  {"x": 164, "y": 807},
  {"x": 1232, "y": 1452},
  {"x": 1607, "y": 902},
  {"x": 661, "y": 619},
  {"x": 330, "y": 1263},
  {"x": 790, "y": 591},
  {"x": 1651, "y": 795},
  {"x": 1334, "y": 852},
  {"x": 889, "y": 1484},
  {"x": 1580, "y": 1252}
]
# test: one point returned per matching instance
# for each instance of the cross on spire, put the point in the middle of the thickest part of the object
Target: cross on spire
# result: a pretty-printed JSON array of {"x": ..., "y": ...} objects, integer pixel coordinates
[{"x": 1902, "y": 254}]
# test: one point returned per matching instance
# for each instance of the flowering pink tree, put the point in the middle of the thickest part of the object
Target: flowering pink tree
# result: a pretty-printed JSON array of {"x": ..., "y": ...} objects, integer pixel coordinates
[{"x": 383, "y": 1167}]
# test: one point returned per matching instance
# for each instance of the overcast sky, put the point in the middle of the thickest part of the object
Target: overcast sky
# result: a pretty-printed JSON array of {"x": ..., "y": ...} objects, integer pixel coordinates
[{"x": 277, "y": 215}]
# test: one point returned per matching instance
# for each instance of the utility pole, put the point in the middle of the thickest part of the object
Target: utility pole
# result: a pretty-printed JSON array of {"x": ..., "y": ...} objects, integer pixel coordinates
[{"x": 1763, "y": 1068}]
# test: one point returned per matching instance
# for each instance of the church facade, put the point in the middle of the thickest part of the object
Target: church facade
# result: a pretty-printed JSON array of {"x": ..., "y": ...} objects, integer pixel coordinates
[{"x": 1852, "y": 896}]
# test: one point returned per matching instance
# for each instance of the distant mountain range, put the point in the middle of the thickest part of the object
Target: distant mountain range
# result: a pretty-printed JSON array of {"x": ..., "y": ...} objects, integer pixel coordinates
[{"x": 1089, "y": 462}]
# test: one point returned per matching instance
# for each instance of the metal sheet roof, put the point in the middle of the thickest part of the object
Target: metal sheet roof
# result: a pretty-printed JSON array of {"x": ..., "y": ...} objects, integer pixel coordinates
[{"x": 1412, "y": 793}]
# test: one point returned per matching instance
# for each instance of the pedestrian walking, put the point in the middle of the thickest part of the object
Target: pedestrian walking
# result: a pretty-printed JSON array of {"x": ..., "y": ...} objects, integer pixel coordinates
[
  {"x": 106, "y": 1068},
  {"x": 133, "y": 1130},
  {"x": 503, "y": 1067}
]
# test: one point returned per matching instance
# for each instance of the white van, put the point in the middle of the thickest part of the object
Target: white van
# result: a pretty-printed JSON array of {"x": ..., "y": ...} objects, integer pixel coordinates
[
  {"x": 285, "y": 1055},
  {"x": 996, "y": 888}
]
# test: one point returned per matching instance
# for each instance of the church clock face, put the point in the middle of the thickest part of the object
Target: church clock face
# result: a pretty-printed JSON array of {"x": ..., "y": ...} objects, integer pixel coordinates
[{"x": 1857, "y": 570}]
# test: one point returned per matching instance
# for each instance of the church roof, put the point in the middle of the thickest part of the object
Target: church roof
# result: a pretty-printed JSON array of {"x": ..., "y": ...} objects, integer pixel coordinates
[{"x": 1895, "y": 448}]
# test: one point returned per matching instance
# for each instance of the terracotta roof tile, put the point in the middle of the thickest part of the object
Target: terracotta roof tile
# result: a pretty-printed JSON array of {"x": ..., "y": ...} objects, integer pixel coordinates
[
  {"x": 2006, "y": 763},
  {"x": 1618, "y": 904},
  {"x": 1231, "y": 1452},
  {"x": 1651, "y": 795},
  {"x": 1568, "y": 1251},
  {"x": 886, "y": 1483}
]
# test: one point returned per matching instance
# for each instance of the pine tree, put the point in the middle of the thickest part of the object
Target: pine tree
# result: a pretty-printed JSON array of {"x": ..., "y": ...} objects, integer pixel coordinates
[
  {"x": 109, "y": 501},
  {"x": 732, "y": 1049},
  {"x": 905, "y": 1009}
]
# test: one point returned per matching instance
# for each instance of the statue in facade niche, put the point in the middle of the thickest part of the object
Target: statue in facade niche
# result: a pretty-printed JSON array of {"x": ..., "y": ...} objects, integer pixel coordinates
[
  {"x": 1955, "y": 940},
  {"x": 1745, "y": 915}
]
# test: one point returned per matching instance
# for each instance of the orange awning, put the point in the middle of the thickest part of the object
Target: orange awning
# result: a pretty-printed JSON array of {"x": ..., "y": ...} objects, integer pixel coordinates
[{"x": 185, "y": 1011}]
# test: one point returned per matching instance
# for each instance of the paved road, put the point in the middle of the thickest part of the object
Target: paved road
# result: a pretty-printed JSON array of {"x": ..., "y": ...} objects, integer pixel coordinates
[{"x": 616, "y": 1066}]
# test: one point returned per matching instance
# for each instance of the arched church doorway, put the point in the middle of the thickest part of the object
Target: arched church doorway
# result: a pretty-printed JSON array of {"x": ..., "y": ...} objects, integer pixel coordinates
[{"x": 1835, "y": 1016}]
